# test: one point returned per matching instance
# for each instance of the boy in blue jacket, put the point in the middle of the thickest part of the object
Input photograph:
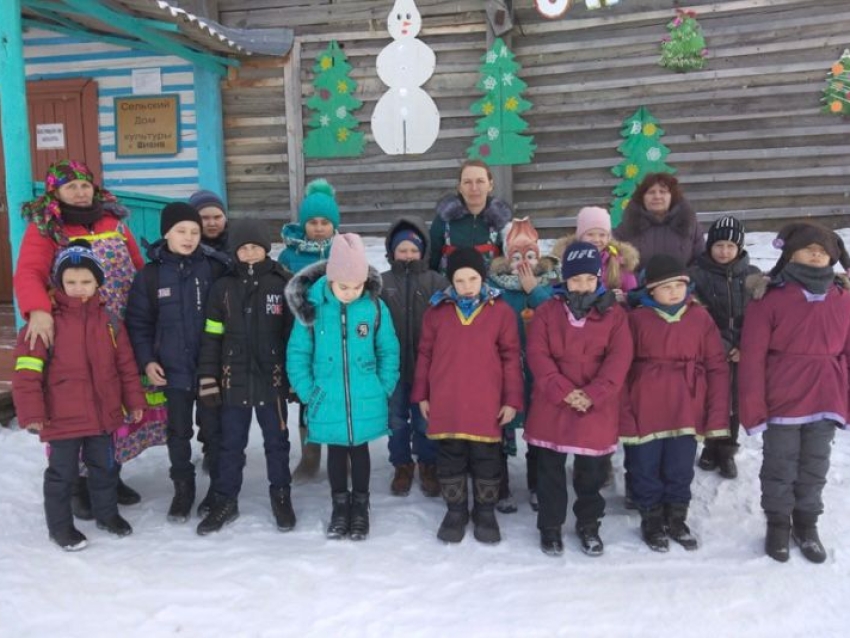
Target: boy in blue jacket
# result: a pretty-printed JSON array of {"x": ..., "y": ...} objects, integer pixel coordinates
[{"x": 165, "y": 318}]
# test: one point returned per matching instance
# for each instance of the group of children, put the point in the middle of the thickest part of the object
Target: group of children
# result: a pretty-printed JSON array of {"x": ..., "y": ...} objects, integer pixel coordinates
[{"x": 577, "y": 348}]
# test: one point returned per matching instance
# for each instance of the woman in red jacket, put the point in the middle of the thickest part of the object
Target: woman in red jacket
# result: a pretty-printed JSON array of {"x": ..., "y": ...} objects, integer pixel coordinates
[
  {"x": 74, "y": 207},
  {"x": 468, "y": 384},
  {"x": 579, "y": 351},
  {"x": 75, "y": 393}
]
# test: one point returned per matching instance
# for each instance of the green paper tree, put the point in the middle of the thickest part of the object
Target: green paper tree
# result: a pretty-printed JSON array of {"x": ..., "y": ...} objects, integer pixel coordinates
[
  {"x": 684, "y": 49},
  {"x": 500, "y": 139},
  {"x": 836, "y": 95},
  {"x": 643, "y": 152},
  {"x": 333, "y": 126}
]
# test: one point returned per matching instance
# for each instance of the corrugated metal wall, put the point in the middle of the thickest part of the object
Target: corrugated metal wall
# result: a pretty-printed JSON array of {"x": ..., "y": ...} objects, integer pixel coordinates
[
  {"x": 746, "y": 133},
  {"x": 53, "y": 56}
]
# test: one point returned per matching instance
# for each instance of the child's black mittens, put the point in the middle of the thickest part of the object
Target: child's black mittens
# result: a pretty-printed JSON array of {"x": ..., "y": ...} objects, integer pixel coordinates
[{"x": 209, "y": 394}]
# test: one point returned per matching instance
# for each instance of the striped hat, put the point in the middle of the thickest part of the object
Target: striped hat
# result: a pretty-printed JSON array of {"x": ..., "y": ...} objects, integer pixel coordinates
[{"x": 726, "y": 229}]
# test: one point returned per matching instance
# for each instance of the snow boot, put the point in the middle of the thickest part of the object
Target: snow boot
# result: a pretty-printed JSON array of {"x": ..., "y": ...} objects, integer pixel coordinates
[
  {"x": 116, "y": 525},
  {"x": 453, "y": 527},
  {"x": 726, "y": 459},
  {"x": 359, "y": 526},
  {"x": 588, "y": 534},
  {"x": 551, "y": 542},
  {"x": 402, "y": 480},
  {"x": 805, "y": 534},
  {"x": 184, "y": 497},
  {"x": 532, "y": 500},
  {"x": 311, "y": 458},
  {"x": 284, "y": 515},
  {"x": 340, "y": 516},
  {"x": 778, "y": 537},
  {"x": 70, "y": 539},
  {"x": 205, "y": 506},
  {"x": 708, "y": 459},
  {"x": 126, "y": 494},
  {"x": 80, "y": 499},
  {"x": 428, "y": 480},
  {"x": 506, "y": 502},
  {"x": 486, "y": 527},
  {"x": 652, "y": 528},
  {"x": 675, "y": 515},
  {"x": 224, "y": 510}
]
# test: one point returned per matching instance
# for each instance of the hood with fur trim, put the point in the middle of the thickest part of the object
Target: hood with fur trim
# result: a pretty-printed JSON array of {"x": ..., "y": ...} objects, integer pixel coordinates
[
  {"x": 298, "y": 289},
  {"x": 628, "y": 254},
  {"x": 412, "y": 222},
  {"x": 496, "y": 213}
]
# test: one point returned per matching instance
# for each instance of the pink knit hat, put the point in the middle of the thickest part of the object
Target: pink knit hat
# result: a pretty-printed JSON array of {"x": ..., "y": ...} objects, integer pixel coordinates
[
  {"x": 592, "y": 217},
  {"x": 347, "y": 261}
]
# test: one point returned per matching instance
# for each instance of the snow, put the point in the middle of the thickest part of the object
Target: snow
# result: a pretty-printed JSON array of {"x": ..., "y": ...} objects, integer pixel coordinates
[{"x": 251, "y": 580}]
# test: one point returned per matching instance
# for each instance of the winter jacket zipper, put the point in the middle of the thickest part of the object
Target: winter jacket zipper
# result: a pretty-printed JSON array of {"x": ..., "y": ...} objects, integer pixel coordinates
[
  {"x": 408, "y": 315},
  {"x": 346, "y": 381},
  {"x": 247, "y": 311}
]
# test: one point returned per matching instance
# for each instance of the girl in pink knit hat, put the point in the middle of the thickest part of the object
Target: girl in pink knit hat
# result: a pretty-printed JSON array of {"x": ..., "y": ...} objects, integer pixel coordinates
[{"x": 619, "y": 258}]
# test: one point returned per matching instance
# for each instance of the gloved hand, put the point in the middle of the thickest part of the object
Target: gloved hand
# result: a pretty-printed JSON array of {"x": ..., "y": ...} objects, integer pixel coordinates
[{"x": 208, "y": 392}]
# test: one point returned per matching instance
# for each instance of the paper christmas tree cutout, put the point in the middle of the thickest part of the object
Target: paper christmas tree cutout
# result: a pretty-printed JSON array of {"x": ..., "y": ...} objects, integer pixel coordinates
[
  {"x": 836, "y": 95},
  {"x": 643, "y": 152},
  {"x": 684, "y": 49},
  {"x": 500, "y": 140},
  {"x": 333, "y": 126}
]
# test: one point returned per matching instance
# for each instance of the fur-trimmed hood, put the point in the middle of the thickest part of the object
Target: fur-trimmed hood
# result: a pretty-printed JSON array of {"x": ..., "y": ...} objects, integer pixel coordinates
[
  {"x": 497, "y": 213},
  {"x": 302, "y": 298},
  {"x": 412, "y": 222},
  {"x": 681, "y": 219},
  {"x": 758, "y": 284},
  {"x": 628, "y": 254}
]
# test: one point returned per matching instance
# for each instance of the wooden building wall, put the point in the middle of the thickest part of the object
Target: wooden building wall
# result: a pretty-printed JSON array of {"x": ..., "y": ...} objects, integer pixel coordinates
[{"x": 746, "y": 133}]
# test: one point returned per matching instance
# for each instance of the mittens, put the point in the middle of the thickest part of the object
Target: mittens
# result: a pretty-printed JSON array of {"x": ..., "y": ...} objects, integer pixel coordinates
[{"x": 208, "y": 393}]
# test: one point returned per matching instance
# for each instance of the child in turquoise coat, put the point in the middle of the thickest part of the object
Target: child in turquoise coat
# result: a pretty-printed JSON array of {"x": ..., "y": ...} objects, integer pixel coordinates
[
  {"x": 343, "y": 362},
  {"x": 306, "y": 242}
]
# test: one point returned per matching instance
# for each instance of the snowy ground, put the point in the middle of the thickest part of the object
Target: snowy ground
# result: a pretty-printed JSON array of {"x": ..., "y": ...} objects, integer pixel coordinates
[{"x": 251, "y": 580}]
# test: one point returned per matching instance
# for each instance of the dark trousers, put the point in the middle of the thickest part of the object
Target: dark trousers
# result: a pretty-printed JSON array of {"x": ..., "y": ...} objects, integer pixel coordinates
[
  {"x": 589, "y": 474},
  {"x": 209, "y": 433},
  {"x": 235, "y": 424},
  {"x": 62, "y": 471},
  {"x": 458, "y": 457},
  {"x": 661, "y": 471},
  {"x": 361, "y": 467},
  {"x": 728, "y": 446},
  {"x": 794, "y": 468},
  {"x": 407, "y": 427},
  {"x": 531, "y": 467},
  {"x": 179, "y": 433}
]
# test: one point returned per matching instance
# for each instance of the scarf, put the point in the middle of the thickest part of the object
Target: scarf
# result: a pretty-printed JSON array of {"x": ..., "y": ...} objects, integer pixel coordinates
[
  {"x": 815, "y": 280},
  {"x": 81, "y": 215}
]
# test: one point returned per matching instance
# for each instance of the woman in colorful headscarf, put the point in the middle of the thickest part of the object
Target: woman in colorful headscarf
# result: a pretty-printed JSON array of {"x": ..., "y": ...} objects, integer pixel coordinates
[{"x": 74, "y": 207}]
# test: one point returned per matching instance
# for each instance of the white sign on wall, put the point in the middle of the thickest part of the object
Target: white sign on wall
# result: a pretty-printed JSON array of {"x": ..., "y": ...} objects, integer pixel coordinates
[
  {"x": 49, "y": 136},
  {"x": 147, "y": 82}
]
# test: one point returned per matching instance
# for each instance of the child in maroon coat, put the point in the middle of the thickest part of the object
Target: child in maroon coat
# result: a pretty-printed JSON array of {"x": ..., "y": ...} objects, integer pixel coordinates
[
  {"x": 677, "y": 390},
  {"x": 795, "y": 349},
  {"x": 579, "y": 349},
  {"x": 468, "y": 384},
  {"x": 74, "y": 395}
]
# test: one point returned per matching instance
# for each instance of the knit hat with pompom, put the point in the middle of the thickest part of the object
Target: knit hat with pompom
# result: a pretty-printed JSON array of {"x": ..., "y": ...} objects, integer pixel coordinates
[{"x": 319, "y": 201}]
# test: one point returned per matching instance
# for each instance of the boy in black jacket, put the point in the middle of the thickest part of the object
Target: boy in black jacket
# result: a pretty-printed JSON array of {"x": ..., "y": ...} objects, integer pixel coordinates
[
  {"x": 719, "y": 277},
  {"x": 165, "y": 318},
  {"x": 407, "y": 289},
  {"x": 243, "y": 366}
]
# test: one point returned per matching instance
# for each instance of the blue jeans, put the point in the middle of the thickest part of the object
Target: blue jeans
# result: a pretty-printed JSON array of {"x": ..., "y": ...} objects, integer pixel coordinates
[
  {"x": 235, "y": 424},
  {"x": 406, "y": 422},
  {"x": 661, "y": 471}
]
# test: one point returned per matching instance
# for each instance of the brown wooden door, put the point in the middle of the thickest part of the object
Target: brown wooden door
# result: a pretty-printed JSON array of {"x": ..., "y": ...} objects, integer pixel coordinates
[{"x": 5, "y": 245}]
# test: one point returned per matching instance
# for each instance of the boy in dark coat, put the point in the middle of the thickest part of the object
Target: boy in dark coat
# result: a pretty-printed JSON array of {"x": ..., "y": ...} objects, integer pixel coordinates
[
  {"x": 242, "y": 365},
  {"x": 468, "y": 383},
  {"x": 407, "y": 287},
  {"x": 79, "y": 404},
  {"x": 677, "y": 390},
  {"x": 579, "y": 350},
  {"x": 165, "y": 318},
  {"x": 719, "y": 278},
  {"x": 795, "y": 349}
]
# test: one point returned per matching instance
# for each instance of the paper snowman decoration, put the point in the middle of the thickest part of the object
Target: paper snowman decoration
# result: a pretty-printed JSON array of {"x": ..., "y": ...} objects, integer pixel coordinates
[
  {"x": 405, "y": 120},
  {"x": 552, "y": 9},
  {"x": 597, "y": 4}
]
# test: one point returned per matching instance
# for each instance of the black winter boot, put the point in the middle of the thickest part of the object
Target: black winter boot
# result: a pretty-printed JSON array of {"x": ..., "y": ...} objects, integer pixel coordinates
[
  {"x": 80, "y": 499},
  {"x": 805, "y": 534},
  {"x": 340, "y": 516},
  {"x": 116, "y": 525},
  {"x": 675, "y": 515},
  {"x": 70, "y": 539},
  {"x": 588, "y": 534},
  {"x": 284, "y": 515},
  {"x": 224, "y": 510},
  {"x": 359, "y": 527},
  {"x": 777, "y": 540},
  {"x": 506, "y": 503},
  {"x": 725, "y": 455},
  {"x": 126, "y": 494},
  {"x": 486, "y": 528},
  {"x": 184, "y": 497},
  {"x": 551, "y": 542},
  {"x": 455, "y": 493},
  {"x": 205, "y": 506},
  {"x": 652, "y": 528},
  {"x": 708, "y": 458}
]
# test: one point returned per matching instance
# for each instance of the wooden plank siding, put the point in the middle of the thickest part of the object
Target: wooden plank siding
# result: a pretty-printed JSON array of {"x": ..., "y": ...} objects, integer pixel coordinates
[{"x": 746, "y": 133}]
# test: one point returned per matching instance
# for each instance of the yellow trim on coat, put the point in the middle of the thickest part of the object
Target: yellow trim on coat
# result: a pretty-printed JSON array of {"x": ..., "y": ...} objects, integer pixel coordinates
[
  {"x": 465, "y": 437},
  {"x": 29, "y": 363}
]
